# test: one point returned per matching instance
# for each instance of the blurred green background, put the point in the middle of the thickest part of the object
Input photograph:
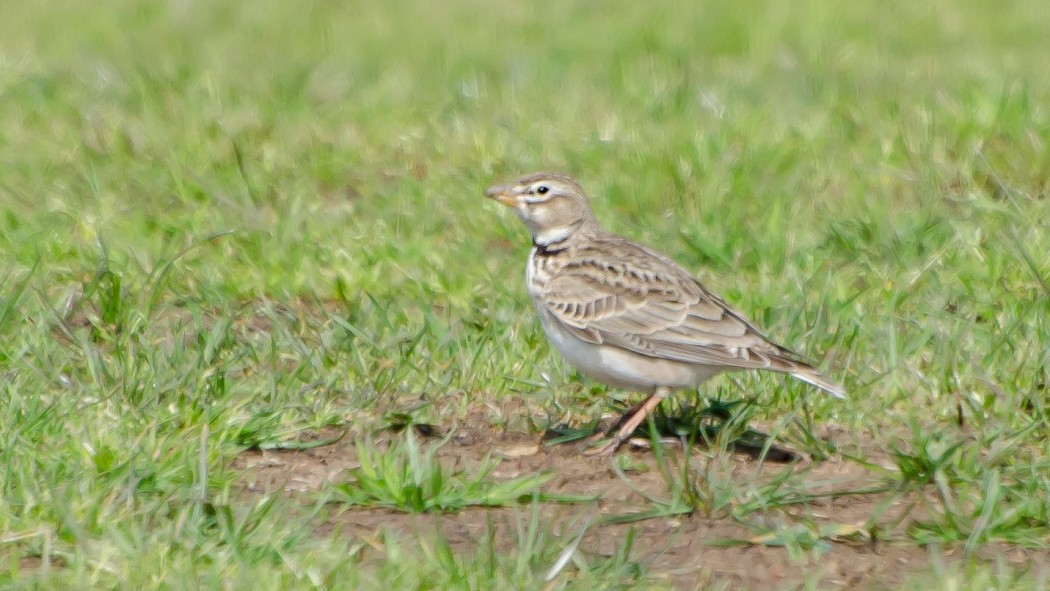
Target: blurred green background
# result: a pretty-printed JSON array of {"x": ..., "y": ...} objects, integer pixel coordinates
[{"x": 226, "y": 223}]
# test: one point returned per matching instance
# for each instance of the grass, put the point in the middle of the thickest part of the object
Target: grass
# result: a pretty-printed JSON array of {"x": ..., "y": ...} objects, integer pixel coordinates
[
  {"x": 404, "y": 478},
  {"x": 533, "y": 563},
  {"x": 228, "y": 227}
]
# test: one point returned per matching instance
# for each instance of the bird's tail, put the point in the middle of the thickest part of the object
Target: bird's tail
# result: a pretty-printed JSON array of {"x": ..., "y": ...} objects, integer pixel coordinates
[{"x": 815, "y": 378}]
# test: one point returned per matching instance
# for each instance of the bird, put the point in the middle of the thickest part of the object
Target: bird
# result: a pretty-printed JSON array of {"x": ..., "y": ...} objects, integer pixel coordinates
[{"x": 627, "y": 315}]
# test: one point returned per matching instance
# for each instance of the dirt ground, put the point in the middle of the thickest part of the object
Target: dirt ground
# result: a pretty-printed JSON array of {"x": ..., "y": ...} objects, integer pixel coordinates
[{"x": 675, "y": 551}]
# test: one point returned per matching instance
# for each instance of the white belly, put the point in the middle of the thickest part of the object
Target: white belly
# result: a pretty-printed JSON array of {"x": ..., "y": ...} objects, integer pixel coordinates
[{"x": 622, "y": 369}]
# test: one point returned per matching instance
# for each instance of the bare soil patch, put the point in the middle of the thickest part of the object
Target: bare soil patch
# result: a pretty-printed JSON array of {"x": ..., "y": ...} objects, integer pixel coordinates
[{"x": 676, "y": 551}]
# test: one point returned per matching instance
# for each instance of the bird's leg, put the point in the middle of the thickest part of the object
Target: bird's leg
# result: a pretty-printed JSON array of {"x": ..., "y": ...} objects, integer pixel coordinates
[
  {"x": 623, "y": 418},
  {"x": 629, "y": 422}
]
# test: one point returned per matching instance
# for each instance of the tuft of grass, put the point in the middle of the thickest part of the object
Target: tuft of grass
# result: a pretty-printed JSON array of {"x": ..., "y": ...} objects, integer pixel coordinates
[
  {"x": 432, "y": 562},
  {"x": 803, "y": 541},
  {"x": 406, "y": 478}
]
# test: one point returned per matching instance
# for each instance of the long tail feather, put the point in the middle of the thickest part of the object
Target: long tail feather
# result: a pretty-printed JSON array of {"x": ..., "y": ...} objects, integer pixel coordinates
[{"x": 815, "y": 378}]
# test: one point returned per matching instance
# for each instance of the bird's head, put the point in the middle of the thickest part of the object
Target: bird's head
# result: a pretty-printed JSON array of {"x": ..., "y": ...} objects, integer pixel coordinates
[{"x": 552, "y": 206}]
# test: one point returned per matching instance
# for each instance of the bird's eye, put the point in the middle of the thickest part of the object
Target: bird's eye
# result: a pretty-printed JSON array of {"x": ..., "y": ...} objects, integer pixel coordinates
[{"x": 542, "y": 189}]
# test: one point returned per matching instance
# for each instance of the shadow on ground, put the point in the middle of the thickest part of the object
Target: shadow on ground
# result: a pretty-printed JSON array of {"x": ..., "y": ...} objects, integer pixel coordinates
[{"x": 683, "y": 551}]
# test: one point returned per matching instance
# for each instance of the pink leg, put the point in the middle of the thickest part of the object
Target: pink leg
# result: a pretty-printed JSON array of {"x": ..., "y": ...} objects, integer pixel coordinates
[{"x": 629, "y": 422}]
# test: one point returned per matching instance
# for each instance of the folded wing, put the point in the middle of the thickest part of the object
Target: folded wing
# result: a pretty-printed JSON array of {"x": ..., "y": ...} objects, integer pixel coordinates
[{"x": 647, "y": 304}]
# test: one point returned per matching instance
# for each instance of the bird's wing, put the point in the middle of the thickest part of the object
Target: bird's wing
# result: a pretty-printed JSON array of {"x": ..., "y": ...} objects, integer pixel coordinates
[{"x": 646, "y": 303}]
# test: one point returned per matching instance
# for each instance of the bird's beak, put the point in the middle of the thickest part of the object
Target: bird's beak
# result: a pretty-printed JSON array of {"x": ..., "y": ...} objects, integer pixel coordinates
[{"x": 503, "y": 194}]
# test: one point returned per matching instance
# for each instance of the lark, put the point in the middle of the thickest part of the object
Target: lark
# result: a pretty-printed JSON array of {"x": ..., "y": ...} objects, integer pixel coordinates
[{"x": 626, "y": 315}]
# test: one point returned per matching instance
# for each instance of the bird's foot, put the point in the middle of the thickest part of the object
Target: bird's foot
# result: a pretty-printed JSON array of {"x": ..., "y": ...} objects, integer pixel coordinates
[
  {"x": 606, "y": 449},
  {"x": 624, "y": 427}
]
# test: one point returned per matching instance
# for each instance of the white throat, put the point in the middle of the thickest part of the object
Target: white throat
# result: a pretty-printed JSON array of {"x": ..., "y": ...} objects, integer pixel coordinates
[{"x": 551, "y": 236}]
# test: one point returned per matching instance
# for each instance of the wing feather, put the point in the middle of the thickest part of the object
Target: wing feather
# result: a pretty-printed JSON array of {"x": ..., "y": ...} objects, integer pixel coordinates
[{"x": 646, "y": 303}]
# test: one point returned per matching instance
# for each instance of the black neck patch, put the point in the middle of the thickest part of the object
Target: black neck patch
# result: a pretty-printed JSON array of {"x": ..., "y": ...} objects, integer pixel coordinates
[{"x": 546, "y": 250}]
